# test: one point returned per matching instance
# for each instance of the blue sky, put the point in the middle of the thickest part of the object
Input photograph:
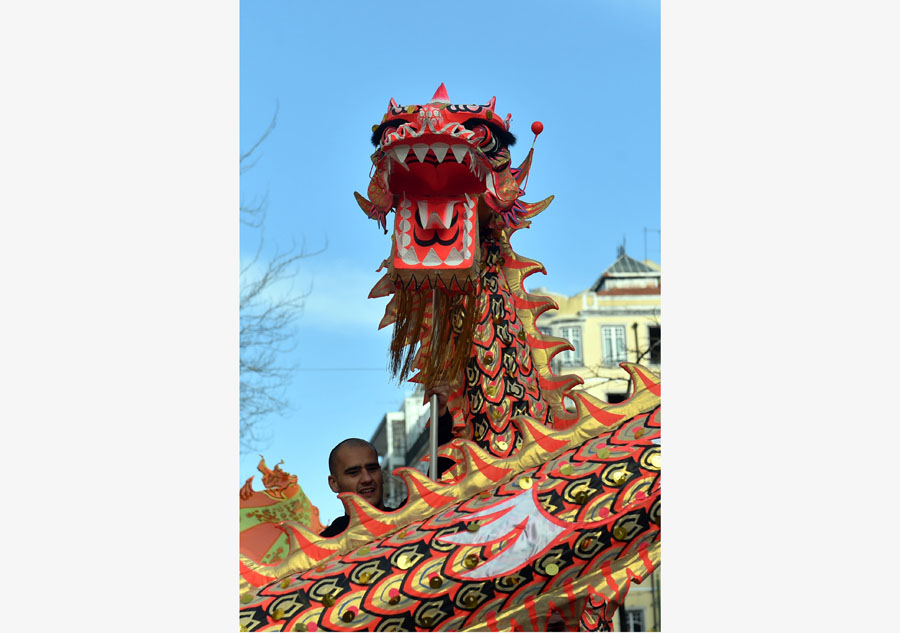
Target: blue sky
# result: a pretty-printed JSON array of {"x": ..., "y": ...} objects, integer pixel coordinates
[{"x": 589, "y": 71}]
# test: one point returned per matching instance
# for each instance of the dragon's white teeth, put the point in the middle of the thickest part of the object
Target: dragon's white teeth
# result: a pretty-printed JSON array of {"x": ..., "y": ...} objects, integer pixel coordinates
[
  {"x": 468, "y": 224},
  {"x": 405, "y": 226},
  {"x": 489, "y": 183},
  {"x": 423, "y": 213},
  {"x": 459, "y": 152},
  {"x": 467, "y": 241},
  {"x": 454, "y": 258},
  {"x": 431, "y": 259},
  {"x": 403, "y": 239},
  {"x": 405, "y": 211},
  {"x": 468, "y": 203},
  {"x": 400, "y": 152},
  {"x": 420, "y": 150},
  {"x": 440, "y": 150},
  {"x": 409, "y": 257},
  {"x": 448, "y": 215}
]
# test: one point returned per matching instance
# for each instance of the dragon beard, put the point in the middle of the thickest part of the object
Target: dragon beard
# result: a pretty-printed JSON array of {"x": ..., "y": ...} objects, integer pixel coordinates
[{"x": 432, "y": 334}]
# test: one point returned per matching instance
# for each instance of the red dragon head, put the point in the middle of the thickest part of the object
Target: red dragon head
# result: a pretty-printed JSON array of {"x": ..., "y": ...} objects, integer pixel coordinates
[{"x": 443, "y": 168}]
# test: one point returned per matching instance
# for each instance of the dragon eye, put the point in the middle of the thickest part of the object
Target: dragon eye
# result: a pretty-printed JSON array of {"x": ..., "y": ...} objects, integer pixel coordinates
[
  {"x": 385, "y": 128},
  {"x": 490, "y": 138},
  {"x": 484, "y": 138}
]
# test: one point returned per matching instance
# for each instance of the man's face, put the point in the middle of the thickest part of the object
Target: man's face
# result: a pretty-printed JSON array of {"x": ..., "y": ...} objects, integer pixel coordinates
[{"x": 358, "y": 471}]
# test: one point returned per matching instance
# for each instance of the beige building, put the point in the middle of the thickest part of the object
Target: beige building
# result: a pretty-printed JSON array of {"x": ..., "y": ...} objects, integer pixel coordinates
[{"x": 616, "y": 320}]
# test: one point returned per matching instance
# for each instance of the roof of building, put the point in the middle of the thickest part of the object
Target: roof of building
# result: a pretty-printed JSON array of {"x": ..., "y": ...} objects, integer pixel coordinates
[{"x": 625, "y": 266}]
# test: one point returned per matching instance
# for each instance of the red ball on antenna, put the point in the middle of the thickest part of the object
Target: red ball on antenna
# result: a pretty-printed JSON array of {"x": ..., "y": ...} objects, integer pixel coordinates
[{"x": 537, "y": 127}]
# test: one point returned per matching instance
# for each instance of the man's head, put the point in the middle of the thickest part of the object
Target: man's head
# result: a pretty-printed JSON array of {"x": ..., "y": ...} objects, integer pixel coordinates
[{"x": 354, "y": 468}]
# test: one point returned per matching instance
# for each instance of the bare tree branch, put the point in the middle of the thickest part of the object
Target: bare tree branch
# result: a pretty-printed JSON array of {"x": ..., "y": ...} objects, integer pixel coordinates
[{"x": 269, "y": 307}]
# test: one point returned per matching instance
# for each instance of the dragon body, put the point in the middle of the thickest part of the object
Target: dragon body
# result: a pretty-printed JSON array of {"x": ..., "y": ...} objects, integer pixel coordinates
[{"x": 552, "y": 507}]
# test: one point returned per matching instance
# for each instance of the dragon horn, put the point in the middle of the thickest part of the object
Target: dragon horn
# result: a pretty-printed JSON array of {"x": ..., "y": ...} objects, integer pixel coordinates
[
  {"x": 364, "y": 204},
  {"x": 524, "y": 168},
  {"x": 490, "y": 104},
  {"x": 392, "y": 104},
  {"x": 440, "y": 95},
  {"x": 532, "y": 209}
]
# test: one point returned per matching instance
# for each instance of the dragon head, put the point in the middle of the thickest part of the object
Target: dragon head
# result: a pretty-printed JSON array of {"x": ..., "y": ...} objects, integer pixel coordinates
[{"x": 444, "y": 169}]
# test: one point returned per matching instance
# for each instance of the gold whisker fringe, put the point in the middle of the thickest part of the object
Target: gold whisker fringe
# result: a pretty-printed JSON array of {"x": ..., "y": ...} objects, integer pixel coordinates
[{"x": 445, "y": 337}]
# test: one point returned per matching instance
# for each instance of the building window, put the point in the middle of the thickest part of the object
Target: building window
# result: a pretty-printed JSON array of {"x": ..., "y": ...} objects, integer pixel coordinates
[
  {"x": 655, "y": 344},
  {"x": 614, "y": 351},
  {"x": 634, "y": 620},
  {"x": 573, "y": 357}
]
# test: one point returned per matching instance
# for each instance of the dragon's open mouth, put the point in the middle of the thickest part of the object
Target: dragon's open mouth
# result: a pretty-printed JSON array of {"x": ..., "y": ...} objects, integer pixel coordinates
[{"x": 436, "y": 181}]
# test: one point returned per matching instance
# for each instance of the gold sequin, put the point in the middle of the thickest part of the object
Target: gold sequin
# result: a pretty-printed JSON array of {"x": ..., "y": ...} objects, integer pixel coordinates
[
  {"x": 489, "y": 358},
  {"x": 243, "y": 628},
  {"x": 328, "y": 600},
  {"x": 410, "y": 109},
  {"x": 603, "y": 454},
  {"x": 471, "y": 561},
  {"x": 471, "y": 601},
  {"x": 566, "y": 469},
  {"x": 364, "y": 551},
  {"x": 365, "y": 577},
  {"x": 502, "y": 445},
  {"x": 552, "y": 569},
  {"x": 586, "y": 543},
  {"x": 581, "y": 497},
  {"x": 473, "y": 526},
  {"x": 620, "y": 477},
  {"x": 525, "y": 483},
  {"x": 347, "y": 616},
  {"x": 277, "y": 614},
  {"x": 426, "y": 621},
  {"x": 521, "y": 335},
  {"x": 300, "y": 626},
  {"x": 620, "y": 533},
  {"x": 374, "y": 127},
  {"x": 491, "y": 390},
  {"x": 246, "y": 598},
  {"x": 655, "y": 460},
  {"x": 638, "y": 432},
  {"x": 403, "y": 562},
  {"x": 285, "y": 583},
  {"x": 435, "y": 582}
]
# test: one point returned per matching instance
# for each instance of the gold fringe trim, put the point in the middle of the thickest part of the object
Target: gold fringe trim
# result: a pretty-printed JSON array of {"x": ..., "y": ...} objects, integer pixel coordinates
[{"x": 444, "y": 329}]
